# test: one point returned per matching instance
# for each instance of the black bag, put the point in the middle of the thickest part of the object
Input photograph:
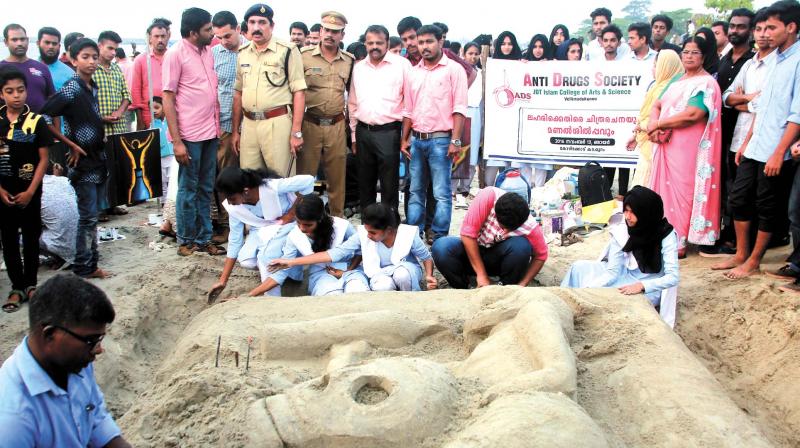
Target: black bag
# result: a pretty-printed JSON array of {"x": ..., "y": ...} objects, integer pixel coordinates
[{"x": 592, "y": 185}]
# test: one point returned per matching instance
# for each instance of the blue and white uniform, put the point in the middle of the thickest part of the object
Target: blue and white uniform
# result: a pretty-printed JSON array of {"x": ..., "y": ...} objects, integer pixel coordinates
[
  {"x": 320, "y": 282},
  {"x": 267, "y": 234}
]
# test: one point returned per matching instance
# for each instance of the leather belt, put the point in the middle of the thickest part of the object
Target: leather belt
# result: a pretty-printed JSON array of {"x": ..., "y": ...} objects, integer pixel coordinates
[
  {"x": 381, "y": 127},
  {"x": 430, "y": 135},
  {"x": 267, "y": 114},
  {"x": 323, "y": 121}
]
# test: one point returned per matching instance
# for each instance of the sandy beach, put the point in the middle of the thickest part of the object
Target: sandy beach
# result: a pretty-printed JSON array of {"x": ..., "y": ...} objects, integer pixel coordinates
[{"x": 157, "y": 380}]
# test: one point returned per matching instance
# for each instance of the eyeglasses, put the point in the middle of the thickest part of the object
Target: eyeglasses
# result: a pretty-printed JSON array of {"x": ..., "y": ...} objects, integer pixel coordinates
[
  {"x": 91, "y": 341},
  {"x": 692, "y": 53}
]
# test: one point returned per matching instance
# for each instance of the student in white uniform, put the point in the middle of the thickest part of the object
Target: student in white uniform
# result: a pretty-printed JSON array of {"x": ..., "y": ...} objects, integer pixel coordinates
[
  {"x": 391, "y": 252},
  {"x": 317, "y": 231},
  {"x": 263, "y": 201},
  {"x": 641, "y": 258}
]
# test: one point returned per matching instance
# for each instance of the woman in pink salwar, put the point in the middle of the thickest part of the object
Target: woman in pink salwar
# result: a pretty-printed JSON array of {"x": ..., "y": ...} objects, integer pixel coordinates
[{"x": 685, "y": 129}]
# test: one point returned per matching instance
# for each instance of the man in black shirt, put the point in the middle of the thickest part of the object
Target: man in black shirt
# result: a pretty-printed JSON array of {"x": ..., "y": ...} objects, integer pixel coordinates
[
  {"x": 84, "y": 135},
  {"x": 23, "y": 160},
  {"x": 661, "y": 26}
]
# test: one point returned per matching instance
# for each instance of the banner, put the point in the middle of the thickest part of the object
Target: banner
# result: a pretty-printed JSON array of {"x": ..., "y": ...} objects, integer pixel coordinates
[
  {"x": 563, "y": 112},
  {"x": 134, "y": 159}
]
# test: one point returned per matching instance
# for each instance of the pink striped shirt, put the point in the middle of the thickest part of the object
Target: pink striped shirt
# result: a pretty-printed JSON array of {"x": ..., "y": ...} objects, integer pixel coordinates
[
  {"x": 189, "y": 73},
  {"x": 434, "y": 94},
  {"x": 376, "y": 91}
]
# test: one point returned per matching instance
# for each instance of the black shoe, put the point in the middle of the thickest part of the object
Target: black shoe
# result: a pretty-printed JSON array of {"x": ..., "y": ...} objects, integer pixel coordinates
[{"x": 784, "y": 273}]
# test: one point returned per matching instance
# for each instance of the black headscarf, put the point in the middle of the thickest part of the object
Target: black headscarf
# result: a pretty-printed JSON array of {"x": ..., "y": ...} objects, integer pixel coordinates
[
  {"x": 516, "y": 53},
  {"x": 545, "y": 46},
  {"x": 564, "y": 29},
  {"x": 651, "y": 227},
  {"x": 563, "y": 49}
]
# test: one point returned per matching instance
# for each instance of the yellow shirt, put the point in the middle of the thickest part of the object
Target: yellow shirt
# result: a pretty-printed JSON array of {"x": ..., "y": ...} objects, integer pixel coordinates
[
  {"x": 261, "y": 77},
  {"x": 327, "y": 81}
]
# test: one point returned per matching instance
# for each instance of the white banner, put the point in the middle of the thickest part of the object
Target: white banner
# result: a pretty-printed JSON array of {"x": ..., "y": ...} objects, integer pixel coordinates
[{"x": 563, "y": 112}]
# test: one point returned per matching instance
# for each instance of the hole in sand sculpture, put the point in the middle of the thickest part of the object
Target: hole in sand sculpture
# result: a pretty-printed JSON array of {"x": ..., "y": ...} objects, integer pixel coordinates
[{"x": 371, "y": 390}]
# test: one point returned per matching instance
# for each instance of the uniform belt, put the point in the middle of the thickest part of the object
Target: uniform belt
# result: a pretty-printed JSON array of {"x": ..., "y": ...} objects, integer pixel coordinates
[
  {"x": 381, "y": 127},
  {"x": 323, "y": 121},
  {"x": 267, "y": 114},
  {"x": 430, "y": 135}
]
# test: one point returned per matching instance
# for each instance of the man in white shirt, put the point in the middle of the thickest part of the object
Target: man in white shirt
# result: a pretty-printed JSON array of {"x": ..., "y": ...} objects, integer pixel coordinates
[
  {"x": 639, "y": 35},
  {"x": 720, "y": 29},
  {"x": 601, "y": 18}
]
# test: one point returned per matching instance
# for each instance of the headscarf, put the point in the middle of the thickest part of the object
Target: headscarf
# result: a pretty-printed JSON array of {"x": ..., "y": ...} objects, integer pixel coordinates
[
  {"x": 545, "y": 46},
  {"x": 516, "y": 53},
  {"x": 563, "y": 49},
  {"x": 668, "y": 67},
  {"x": 710, "y": 56},
  {"x": 644, "y": 239},
  {"x": 553, "y": 33}
]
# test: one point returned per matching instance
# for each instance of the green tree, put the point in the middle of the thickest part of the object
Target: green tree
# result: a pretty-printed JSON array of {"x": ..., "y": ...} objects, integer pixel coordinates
[
  {"x": 722, "y": 8},
  {"x": 583, "y": 31},
  {"x": 637, "y": 10}
]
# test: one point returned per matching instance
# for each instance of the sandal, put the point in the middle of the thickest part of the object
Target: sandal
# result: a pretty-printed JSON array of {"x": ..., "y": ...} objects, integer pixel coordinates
[
  {"x": 212, "y": 249},
  {"x": 29, "y": 291},
  {"x": 13, "y": 305},
  {"x": 167, "y": 233}
]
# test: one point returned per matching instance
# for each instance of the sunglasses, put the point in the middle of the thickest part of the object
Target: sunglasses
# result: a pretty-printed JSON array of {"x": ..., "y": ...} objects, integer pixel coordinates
[{"x": 91, "y": 341}]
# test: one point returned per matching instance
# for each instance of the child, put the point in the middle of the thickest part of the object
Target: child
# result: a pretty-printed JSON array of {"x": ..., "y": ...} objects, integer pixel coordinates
[
  {"x": 85, "y": 135},
  {"x": 23, "y": 160},
  {"x": 166, "y": 146}
]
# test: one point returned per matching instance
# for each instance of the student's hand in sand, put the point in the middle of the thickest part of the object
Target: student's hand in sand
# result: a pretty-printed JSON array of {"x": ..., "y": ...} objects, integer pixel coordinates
[
  {"x": 431, "y": 282},
  {"x": 483, "y": 280},
  {"x": 279, "y": 264},
  {"x": 181, "y": 153},
  {"x": 75, "y": 153},
  {"x": 215, "y": 291},
  {"x": 630, "y": 290}
]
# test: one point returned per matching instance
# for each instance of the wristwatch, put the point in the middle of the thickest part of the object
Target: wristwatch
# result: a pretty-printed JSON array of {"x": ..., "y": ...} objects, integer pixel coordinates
[
  {"x": 298, "y": 134},
  {"x": 456, "y": 142}
]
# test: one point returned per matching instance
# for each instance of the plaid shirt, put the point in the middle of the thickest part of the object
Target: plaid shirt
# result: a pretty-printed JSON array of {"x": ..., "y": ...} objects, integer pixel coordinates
[
  {"x": 112, "y": 90},
  {"x": 492, "y": 233},
  {"x": 225, "y": 66}
]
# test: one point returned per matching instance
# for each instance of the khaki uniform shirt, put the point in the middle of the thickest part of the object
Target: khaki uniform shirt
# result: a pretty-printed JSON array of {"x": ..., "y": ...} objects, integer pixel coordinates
[
  {"x": 259, "y": 72},
  {"x": 327, "y": 81}
]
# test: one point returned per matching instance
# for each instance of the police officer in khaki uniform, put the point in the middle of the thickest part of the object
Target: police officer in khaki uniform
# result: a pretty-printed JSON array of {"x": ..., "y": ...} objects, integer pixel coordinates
[
  {"x": 327, "y": 71},
  {"x": 269, "y": 93}
]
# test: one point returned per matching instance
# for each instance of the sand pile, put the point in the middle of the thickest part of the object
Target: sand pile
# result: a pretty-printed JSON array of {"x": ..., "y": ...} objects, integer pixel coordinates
[{"x": 635, "y": 382}]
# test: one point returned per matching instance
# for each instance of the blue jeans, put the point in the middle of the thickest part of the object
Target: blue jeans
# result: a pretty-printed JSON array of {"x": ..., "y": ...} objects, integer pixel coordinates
[
  {"x": 86, "y": 256},
  {"x": 195, "y": 189},
  {"x": 429, "y": 161}
]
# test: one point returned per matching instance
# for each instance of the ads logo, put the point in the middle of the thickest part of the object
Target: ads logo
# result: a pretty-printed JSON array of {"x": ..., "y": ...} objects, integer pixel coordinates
[{"x": 504, "y": 96}]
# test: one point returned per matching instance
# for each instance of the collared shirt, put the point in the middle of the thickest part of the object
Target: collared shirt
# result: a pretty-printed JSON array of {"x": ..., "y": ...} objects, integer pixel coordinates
[
  {"x": 225, "y": 66},
  {"x": 112, "y": 90},
  {"x": 61, "y": 73},
  {"x": 35, "y": 412},
  {"x": 326, "y": 81},
  {"x": 649, "y": 57},
  {"x": 434, "y": 94},
  {"x": 376, "y": 91},
  {"x": 76, "y": 102},
  {"x": 751, "y": 79},
  {"x": 139, "y": 85},
  {"x": 20, "y": 142},
  {"x": 262, "y": 79},
  {"x": 728, "y": 69},
  {"x": 725, "y": 50},
  {"x": 188, "y": 72},
  {"x": 40, "y": 83},
  {"x": 596, "y": 52},
  {"x": 779, "y": 104}
]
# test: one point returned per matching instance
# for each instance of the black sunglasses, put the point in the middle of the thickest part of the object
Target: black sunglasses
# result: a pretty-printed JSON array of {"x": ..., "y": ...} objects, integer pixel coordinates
[{"x": 91, "y": 341}]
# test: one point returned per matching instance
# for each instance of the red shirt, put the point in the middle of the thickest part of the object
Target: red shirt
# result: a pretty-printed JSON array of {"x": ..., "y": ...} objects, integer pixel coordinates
[{"x": 139, "y": 99}]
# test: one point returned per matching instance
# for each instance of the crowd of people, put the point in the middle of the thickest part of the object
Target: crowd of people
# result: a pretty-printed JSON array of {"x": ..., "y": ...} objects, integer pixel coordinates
[{"x": 250, "y": 123}]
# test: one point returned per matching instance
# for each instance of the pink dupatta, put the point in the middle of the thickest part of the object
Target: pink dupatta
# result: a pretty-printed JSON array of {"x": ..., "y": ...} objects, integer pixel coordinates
[{"x": 686, "y": 169}]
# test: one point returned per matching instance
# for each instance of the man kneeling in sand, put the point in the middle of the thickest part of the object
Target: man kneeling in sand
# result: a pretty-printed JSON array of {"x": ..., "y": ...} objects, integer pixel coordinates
[
  {"x": 48, "y": 393},
  {"x": 498, "y": 237}
]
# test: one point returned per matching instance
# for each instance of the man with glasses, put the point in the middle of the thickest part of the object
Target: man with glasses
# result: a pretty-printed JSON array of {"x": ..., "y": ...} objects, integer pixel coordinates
[{"x": 49, "y": 396}]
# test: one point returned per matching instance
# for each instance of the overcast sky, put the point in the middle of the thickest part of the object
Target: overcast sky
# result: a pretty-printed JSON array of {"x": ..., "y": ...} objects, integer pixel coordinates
[{"x": 466, "y": 18}]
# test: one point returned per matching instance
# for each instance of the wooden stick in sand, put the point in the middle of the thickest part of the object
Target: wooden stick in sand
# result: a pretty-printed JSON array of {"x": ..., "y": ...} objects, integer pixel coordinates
[
  {"x": 247, "y": 362},
  {"x": 219, "y": 341}
]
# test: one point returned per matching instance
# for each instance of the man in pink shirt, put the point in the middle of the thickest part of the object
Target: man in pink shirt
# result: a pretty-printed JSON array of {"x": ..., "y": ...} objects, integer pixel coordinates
[
  {"x": 158, "y": 34},
  {"x": 375, "y": 104},
  {"x": 499, "y": 237},
  {"x": 435, "y": 105},
  {"x": 192, "y": 112}
]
